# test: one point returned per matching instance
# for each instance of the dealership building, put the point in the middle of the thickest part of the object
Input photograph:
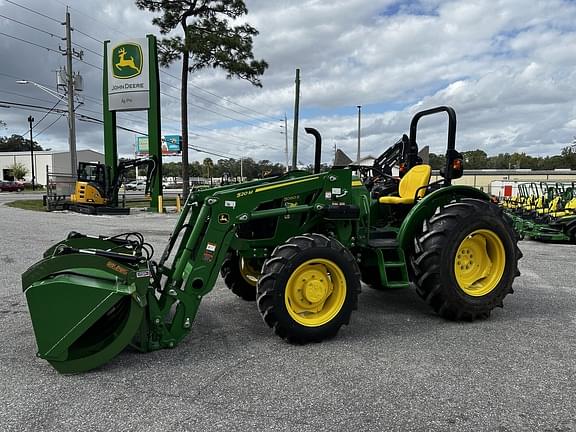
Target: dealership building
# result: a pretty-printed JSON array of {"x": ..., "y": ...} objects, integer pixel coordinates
[{"x": 52, "y": 161}]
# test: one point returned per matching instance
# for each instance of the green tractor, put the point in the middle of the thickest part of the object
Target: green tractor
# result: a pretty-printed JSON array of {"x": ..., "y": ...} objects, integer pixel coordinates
[{"x": 298, "y": 245}]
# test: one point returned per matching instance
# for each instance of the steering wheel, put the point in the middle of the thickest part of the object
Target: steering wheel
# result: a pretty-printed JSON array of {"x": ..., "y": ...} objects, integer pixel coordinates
[{"x": 386, "y": 175}]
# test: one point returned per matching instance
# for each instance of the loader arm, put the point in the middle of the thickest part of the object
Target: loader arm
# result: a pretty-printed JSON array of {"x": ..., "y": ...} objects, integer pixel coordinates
[
  {"x": 211, "y": 222},
  {"x": 119, "y": 296}
]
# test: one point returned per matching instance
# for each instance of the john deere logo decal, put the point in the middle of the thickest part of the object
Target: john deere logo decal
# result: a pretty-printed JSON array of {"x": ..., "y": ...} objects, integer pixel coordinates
[{"x": 126, "y": 61}]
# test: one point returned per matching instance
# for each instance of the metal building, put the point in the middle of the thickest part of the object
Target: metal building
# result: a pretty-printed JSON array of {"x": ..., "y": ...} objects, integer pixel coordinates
[{"x": 57, "y": 162}]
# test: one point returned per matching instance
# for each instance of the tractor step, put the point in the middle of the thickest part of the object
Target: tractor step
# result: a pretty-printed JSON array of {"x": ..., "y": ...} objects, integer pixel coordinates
[
  {"x": 394, "y": 264},
  {"x": 398, "y": 285},
  {"x": 383, "y": 243}
]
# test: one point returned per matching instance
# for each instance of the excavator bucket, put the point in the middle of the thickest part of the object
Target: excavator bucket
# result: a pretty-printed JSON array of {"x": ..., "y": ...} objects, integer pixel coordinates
[{"x": 85, "y": 307}]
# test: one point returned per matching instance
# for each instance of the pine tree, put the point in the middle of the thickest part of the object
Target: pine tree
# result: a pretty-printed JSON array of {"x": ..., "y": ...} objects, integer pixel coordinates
[{"x": 211, "y": 40}]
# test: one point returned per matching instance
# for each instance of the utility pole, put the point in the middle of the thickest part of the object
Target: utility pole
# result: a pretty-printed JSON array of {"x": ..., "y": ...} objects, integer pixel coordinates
[
  {"x": 30, "y": 121},
  {"x": 359, "y": 114},
  {"x": 286, "y": 138},
  {"x": 241, "y": 169},
  {"x": 69, "y": 53},
  {"x": 296, "y": 115}
]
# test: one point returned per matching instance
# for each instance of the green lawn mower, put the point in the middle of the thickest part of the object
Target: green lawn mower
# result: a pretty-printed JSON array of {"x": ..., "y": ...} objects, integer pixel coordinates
[{"x": 544, "y": 212}]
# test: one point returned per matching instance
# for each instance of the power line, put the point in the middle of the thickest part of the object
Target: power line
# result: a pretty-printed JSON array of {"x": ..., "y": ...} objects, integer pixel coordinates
[
  {"x": 33, "y": 11},
  {"x": 216, "y": 112},
  {"x": 240, "y": 140},
  {"x": 45, "y": 115},
  {"x": 49, "y": 126},
  {"x": 49, "y": 33},
  {"x": 87, "y": 49},
  {"x": 220, "y": 97},
  {"x": 31, "y": 43},
  {"x": 90, "y": 119},
  {"x": 19, "y": 78},
  {"x": 234, "y": 136},
  {"x": 29, "y": 26},
  {"x": 201, "y": 150},
  {"x": 88, "y": 36},
  {"x": 90, "y": 64},
  {"x": 26, "y": 97},
  {"x": 214, "y": 103},
  {"x": 18, "y": 104}
]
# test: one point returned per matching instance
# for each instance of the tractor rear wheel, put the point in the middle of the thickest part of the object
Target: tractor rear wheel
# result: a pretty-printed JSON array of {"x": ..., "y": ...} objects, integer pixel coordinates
[
  {"x": 240, "y": 275},
  {"x": 309, "y": 288},
  {"x": 466, "y": 259}
]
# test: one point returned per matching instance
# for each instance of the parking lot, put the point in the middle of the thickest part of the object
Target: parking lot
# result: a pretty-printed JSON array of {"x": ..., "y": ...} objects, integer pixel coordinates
[{"x": 397, "y": 366}]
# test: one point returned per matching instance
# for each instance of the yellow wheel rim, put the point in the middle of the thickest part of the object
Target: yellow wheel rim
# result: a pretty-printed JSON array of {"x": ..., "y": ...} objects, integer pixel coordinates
[
  {"x": 315, "y": 292},
  {"x": 249, "y": 274},
  {"x": 479, "y": 262}
]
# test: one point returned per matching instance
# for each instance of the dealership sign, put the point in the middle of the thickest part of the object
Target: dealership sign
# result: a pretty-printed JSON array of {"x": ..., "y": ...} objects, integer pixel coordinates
[{"x": 128, "y": 75}]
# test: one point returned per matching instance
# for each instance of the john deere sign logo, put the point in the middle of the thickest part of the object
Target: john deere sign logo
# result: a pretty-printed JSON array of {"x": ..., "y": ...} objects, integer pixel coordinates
[
  {"x": 126, "y": 61},
  {"x": 128, "y": 75}
]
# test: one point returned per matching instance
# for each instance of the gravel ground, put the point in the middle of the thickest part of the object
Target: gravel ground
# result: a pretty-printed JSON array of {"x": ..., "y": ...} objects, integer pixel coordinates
[{"x": 396, "y": 367}]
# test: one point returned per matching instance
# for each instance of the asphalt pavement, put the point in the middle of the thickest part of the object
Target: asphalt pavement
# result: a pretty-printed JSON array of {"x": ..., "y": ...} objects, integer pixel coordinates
[{"x": 397, "y": 366}]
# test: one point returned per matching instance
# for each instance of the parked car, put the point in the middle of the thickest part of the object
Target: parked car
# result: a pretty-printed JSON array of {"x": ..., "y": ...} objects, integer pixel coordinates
[
  {"x": 11, "y": 186},
  {"x": 136, "y": 185}
]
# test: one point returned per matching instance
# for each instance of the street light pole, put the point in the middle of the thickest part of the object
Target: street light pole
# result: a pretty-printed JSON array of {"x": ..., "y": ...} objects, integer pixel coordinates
[
  {"x": 31, "y": 120},
  {"x": 359, "y": 115}
]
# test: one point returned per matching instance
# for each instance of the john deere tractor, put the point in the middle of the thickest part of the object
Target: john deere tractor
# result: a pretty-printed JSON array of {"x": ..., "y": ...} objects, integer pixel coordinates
[{"x": 298, "y": 245}]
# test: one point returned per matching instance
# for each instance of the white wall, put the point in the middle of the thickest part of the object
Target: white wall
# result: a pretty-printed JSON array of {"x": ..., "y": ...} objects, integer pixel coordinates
[
  {"x": 53, "y": 160},
  {"x": 41, "y": 159}
]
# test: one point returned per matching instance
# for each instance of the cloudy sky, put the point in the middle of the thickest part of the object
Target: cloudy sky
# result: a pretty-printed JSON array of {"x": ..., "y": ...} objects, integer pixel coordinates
[{"x": 508, "y": 67}]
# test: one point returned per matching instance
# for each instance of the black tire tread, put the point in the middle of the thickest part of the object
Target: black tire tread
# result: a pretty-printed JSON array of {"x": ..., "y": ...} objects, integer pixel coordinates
[
  {"x": 428, "y": 267},
  {"x": 276, "y": 268},
  {"x": 230, "y": 272}
]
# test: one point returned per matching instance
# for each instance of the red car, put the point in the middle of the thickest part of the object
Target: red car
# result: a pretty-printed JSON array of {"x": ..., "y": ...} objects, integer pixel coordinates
[{"x": 11, "y": 186}]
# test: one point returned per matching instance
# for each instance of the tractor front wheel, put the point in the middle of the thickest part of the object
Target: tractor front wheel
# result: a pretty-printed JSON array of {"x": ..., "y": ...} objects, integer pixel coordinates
[
  {"x": 466, "y": 259},
  {"x": 308, "y": 289},
  {"x": 240, "y": 275}
]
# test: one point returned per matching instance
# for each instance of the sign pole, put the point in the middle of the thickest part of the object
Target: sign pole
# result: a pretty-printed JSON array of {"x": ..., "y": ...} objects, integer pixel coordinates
[
  {"x": 154, "y": 138},
  {"x": 110, "y": 140}
]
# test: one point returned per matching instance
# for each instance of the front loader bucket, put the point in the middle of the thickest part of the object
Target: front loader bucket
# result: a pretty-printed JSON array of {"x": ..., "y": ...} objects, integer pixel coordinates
[{"x": 85, "y": 309}]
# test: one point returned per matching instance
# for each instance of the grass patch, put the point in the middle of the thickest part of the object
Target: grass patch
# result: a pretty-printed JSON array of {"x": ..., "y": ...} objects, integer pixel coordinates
[
  {"x": 36, "y": 205},
  {"x": 28, "y": 204}
]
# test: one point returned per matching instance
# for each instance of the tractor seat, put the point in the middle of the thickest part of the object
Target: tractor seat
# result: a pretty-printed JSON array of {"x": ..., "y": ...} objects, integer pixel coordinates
[{"x": 414, "y": 179}]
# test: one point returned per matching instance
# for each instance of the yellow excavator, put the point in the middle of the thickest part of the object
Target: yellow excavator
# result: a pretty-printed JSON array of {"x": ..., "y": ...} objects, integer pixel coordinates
[{"x": 96, "y": 190}]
